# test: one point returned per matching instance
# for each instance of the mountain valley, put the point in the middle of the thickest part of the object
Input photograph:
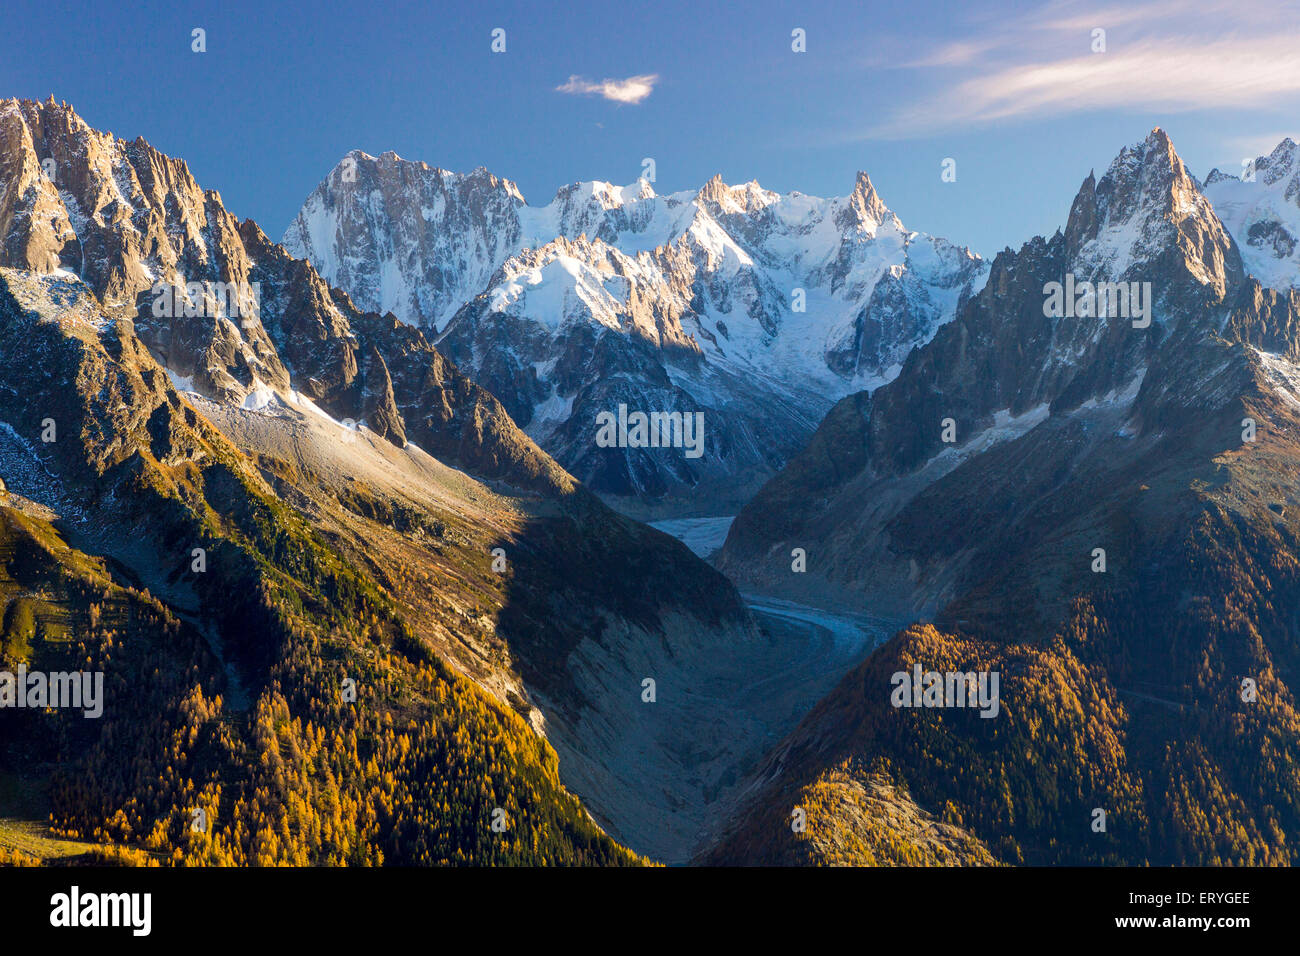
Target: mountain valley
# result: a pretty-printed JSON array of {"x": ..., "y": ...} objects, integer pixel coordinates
[{"x": 331, "y": 517}]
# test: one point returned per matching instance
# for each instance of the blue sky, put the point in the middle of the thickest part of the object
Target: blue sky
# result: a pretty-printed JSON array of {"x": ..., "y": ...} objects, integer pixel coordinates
[{"x": 1012, "y": 91}]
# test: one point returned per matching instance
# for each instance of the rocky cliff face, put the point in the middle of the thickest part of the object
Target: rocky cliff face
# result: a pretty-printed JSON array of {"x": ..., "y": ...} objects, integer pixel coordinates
[
  {"x": 755, "y": 309},
  {"x": 406, "y": 238},
  {"x": 1142, "y": 263}
]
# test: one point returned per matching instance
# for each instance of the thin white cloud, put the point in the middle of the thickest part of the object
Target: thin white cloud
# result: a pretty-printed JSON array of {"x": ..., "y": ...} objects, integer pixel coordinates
[
  {"x": 1162, "y": 56},
  {"x": 961, "y": 53},
  {"x": 634, "y": 89}
]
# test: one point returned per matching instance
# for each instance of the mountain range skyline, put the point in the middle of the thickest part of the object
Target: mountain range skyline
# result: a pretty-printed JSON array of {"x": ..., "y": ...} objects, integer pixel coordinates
[{"x": 811, "y": 101}]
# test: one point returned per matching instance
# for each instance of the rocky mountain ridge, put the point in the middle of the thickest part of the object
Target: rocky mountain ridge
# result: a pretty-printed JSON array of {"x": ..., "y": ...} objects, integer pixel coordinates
[
  {"x": 754, "y": 308},
  {"x": 1098, "y": 507}
]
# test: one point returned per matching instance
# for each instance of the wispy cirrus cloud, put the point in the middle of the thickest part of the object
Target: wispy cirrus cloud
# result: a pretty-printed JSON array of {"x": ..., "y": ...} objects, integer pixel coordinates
[
  {"x": 633, "y": 89},
  {"x": 1163, "y": 56}
]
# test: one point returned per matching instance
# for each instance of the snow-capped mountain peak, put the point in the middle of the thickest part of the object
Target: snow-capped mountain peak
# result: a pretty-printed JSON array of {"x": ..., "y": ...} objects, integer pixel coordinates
[
  {"x": 745, "y": 199},
  {"x": 761, "y": 306},
  {"x": 1146, "y": 207},
  {"x": 1260, "y": 206},
  {"x": 867, "y": 209}
]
